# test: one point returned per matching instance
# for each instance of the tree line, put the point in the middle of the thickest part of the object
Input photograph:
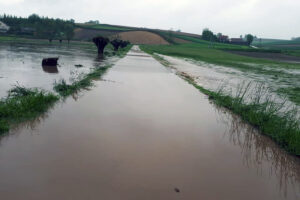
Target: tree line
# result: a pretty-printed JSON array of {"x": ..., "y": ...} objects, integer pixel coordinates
[
  {"x": 40, "y": 27},
  {"x": 210, "y": 36}
]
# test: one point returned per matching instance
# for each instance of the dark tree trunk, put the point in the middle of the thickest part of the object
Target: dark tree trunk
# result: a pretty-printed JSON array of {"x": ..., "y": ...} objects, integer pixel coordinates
[
  {"x": 124, "y": 44},
  {"x": 100, "y": 42},
  {"x": 116, "y": 44}
]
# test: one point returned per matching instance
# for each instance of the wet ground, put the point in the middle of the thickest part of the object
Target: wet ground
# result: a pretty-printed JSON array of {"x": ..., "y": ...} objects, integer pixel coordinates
[
  {"x": 22, "y": 64},
  {"x": 144, "y": 133}
]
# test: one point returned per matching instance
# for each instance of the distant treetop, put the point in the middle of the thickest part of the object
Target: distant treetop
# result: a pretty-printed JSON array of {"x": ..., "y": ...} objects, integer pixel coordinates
[{"x": 40, "y": 27}]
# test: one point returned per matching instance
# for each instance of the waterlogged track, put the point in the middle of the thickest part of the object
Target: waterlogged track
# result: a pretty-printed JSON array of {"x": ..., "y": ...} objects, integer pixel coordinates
[{"x": 143, "y": 133}]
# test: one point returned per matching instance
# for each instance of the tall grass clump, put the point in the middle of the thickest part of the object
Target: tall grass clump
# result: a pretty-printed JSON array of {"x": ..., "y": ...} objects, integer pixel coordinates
[
  {"x": 273, "y": 117},
  {"x": 83, "y": 82},
  {"x": 23, "y": 104}
]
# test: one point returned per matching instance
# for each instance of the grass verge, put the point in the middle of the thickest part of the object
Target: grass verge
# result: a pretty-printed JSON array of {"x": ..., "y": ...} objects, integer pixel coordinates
[
  {"x": 23, "y": 104},
  {"x": 83, "y": 82},
  {"x": 261, "y": 111}
]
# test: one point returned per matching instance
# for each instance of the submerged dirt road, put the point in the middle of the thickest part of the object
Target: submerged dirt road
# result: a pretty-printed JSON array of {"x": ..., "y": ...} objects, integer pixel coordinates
[{"x": 144, "y": 134}]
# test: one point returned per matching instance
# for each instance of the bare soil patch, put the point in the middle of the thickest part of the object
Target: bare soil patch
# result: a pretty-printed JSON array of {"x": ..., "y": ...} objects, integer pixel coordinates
[{"x": 142, "y": 37}]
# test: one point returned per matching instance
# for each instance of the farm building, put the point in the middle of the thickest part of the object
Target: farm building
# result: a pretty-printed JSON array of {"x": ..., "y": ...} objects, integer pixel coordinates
[
  {"x": 223, "y": 38},
  {"x": 238, "y": 41},
  {"x": 3, "y": 27}
]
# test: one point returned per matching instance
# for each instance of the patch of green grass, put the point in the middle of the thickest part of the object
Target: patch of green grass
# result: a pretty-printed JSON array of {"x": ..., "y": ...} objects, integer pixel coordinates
[
  {"x": 282, "y": 127},
  {"x": 83, "y": 82},
  {"x": 17, "y": 39},
  {"x": 288, "y": 45},
  {"x": 292, "y": 52},
  {"x": 276, "y": 42},
  {"x": 4, "y": 126},
  {"x": 204, "y": 53},
  {"x": 11, "y": 38},
  {"x": 216, "y": 45},
  {"x": 104, "y": 27},
  {"x": 23, "y": 104},
  {"x": 268, "y": 46},
  {"x": 7, "y": 38}
]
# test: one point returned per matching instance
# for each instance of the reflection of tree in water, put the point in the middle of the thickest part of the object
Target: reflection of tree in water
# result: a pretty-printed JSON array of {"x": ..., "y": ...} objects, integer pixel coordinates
[
  {"x": 261, "y": 152},
  {"x": 98, "y": 61}
]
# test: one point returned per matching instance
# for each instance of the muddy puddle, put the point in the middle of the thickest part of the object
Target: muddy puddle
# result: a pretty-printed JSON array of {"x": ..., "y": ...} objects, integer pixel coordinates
[
  {"x": 143, "y": 134},
  {"x": 21, "y": 64}
]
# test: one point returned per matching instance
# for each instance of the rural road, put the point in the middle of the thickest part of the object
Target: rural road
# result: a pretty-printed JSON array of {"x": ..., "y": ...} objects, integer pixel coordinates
[{"x": 143, "y": 134}]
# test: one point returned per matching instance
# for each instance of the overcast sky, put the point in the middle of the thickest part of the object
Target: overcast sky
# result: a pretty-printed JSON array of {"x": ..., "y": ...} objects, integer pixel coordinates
[{"x": 264, "y": 18}]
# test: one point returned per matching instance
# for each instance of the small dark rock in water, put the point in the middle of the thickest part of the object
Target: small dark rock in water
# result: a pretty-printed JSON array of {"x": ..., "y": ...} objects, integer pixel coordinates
[
  {"x": 79, "y": 65},
  {"x": 50, "y": 61},
  {"x": 177, "y": 190}
]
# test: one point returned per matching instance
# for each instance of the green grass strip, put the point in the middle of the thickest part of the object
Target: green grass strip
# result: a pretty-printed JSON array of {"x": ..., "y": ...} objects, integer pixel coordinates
[
  {"x": 65, "y": 90},
  {"x": 283, "y": 128},
  {"x": 23, "y": 104}
]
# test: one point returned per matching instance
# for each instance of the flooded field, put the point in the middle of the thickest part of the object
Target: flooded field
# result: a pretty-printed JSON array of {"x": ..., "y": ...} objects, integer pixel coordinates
[
  {"x": 20, "y": 63},
  {"x": 143, "y": 133},
  {"x": 214, "y": 77}
]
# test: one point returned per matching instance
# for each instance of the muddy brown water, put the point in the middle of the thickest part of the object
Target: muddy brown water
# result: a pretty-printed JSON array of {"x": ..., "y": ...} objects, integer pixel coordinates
[{"x": 143, "y": 134}]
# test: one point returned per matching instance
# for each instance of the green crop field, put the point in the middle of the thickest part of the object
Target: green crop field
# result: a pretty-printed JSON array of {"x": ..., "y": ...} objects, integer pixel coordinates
[
  {"x": 290, "y": 47},
  {"x": 104, "y": 27},
  {"x": 215, "y": 54}
]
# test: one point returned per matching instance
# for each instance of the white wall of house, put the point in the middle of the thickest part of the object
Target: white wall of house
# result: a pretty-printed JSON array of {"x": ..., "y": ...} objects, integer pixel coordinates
[{"x": 3, "y": 27}]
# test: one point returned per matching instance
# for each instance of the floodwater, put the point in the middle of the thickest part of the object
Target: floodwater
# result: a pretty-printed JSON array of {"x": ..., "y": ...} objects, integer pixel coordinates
[
  {"x": 21, "y": 63},
  {"x": 143, "y": 133},
  {"x": 216, "y": 77}
]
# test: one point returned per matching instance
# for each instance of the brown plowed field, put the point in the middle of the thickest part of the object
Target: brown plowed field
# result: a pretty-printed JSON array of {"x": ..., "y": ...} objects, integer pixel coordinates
[{"x": 142, "y": 37}]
